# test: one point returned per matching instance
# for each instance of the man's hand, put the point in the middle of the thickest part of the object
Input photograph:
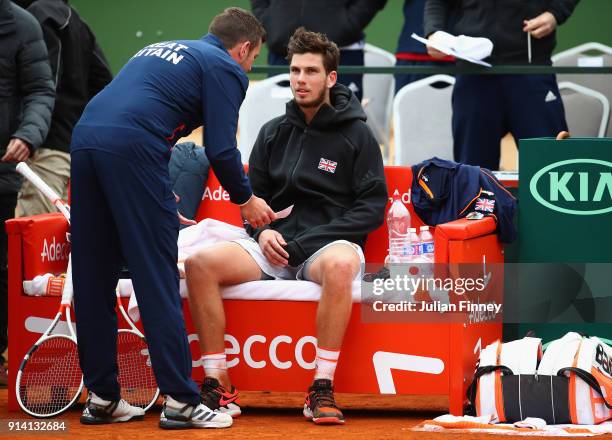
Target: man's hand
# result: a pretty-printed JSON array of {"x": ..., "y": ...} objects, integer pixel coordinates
[
  {"x": 434, "y": 53},
  {"x": 272, "y": 245},
  {"x": 16, "y": 151},
  {"x": 541, "y": 26},
  {"x": 257, "y": 212}
]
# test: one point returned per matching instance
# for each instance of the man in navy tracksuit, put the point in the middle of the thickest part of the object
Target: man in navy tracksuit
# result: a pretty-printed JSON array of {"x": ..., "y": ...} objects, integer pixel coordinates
[
  {"x": 123, "y": 204},
  {"x": 486, "y": 107}
]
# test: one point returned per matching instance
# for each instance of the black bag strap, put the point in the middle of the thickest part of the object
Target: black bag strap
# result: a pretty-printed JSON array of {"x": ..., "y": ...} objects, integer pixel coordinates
[
  {"x": 471, "y": 391},
  {"x": 588, "y": 378}
]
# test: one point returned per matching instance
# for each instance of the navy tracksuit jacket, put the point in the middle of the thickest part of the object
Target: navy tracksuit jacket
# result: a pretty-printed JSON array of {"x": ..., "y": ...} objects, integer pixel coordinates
[{"x": 443, "y": 191}]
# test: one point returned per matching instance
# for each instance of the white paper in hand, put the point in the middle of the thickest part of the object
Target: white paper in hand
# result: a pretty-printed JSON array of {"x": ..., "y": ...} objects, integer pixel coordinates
[
  {"x": 284, "y": 213},
  {"x": 460, "y": 47},
  {"x": 280, "y": 214}
]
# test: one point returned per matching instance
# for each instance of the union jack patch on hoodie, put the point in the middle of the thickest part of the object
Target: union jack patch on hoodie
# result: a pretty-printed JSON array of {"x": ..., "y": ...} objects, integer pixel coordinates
[{"x": 327, "y": 165}]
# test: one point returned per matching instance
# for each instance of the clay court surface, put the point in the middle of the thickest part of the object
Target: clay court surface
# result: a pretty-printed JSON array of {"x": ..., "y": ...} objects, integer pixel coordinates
[{"x": 274, "y": 415}]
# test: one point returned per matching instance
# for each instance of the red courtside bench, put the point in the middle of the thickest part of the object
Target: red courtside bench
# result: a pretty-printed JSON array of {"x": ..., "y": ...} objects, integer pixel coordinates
[{"x": 271, "y": 344}]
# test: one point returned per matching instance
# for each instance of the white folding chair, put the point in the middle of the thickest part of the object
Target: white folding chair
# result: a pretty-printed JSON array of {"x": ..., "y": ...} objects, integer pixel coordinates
[
  {"x": 422, "y": 118},
  {"x": 588, "y": 54},
  {"x": 264, "y": 100},
  {"x": 378, "y": 93},
  {"x": 586, "y": 110}
]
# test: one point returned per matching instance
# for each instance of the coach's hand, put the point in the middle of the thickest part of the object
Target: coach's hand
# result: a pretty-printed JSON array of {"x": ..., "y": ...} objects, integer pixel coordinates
[
  {"x": 257, "y": 212},
  {"x": 272, "y": 245}
]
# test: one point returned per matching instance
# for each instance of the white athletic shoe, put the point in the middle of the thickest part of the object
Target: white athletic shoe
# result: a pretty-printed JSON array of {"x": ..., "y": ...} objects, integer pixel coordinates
[
  {"x": 98, "y": 411},
  {"x": 177, "y": 415}
]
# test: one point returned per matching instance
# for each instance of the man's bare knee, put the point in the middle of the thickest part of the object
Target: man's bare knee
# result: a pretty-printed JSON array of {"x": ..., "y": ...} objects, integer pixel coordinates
[
  {"x": 201, "y": 264},
  {"x": 340, "y": 268}
]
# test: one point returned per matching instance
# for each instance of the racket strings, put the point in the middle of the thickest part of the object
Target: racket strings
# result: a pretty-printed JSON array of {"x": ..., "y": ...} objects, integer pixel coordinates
[
  {"x": 51, "y": 378},
  {"x": 136, "y": 377}
]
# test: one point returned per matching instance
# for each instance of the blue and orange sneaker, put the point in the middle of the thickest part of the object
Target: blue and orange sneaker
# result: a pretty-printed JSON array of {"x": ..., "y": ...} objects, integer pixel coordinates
[
  {"x": 320, "y": 405},
  {"x": 217, "y": 398}
]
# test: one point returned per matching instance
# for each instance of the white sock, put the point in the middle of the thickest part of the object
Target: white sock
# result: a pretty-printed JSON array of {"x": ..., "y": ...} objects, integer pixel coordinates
[
  {"x": 214, "y": 361},
  {"x": 95, "y": 399},
  {"x": 173, "y": 403},
  {"x": 326, "y": 362}
]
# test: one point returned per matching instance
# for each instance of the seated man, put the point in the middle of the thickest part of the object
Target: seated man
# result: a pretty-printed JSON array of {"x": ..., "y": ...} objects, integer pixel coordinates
[{"x": 322, "y": 158}]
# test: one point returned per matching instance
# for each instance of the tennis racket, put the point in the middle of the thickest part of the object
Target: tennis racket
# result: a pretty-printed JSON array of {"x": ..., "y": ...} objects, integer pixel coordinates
[
  {"x": 49, "y": 379},
  {"x": 136, "y": 377}
]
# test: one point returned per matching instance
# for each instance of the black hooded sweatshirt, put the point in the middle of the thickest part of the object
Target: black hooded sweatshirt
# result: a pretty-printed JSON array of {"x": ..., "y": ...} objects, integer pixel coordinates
[{"x": 331, "y": 170}]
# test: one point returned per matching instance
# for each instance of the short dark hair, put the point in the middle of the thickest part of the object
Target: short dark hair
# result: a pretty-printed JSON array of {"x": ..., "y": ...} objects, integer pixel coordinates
[
  {"x": 235, "y": 25},
  {"x": 303, "y": 41}
]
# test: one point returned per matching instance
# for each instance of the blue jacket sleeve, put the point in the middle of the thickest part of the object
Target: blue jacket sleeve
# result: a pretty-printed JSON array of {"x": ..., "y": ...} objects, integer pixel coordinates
[{"x": 223, "y": 93}]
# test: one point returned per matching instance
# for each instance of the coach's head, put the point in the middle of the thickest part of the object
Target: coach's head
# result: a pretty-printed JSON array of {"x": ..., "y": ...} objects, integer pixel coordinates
[{"x": 240, "y": 33}]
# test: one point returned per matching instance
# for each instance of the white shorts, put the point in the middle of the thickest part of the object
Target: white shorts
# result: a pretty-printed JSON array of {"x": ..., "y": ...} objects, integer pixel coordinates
[{"x": 289, "y": 272}]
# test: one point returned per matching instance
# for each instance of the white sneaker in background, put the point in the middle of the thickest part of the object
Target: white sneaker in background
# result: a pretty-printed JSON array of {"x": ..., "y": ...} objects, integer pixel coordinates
[{"x": 98, "y": 411}]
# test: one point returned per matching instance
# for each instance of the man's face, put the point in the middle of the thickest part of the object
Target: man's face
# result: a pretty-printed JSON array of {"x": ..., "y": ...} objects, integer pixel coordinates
[
  {"x": 248, "y": 54},
  {"x": 310, "y": 83}
]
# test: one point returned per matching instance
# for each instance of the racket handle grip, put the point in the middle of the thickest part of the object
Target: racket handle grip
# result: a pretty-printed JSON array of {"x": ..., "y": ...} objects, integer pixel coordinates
[{"x": 68, "y": 291}]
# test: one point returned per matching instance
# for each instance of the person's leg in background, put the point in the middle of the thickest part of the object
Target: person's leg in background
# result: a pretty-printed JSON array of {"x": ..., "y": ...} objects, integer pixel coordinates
[
  {"x": 403, "y": 79},
  {"x": 534, "y": 106},
  {"x": 275, "y": 59},
  {"x": 354, "y": 81},
  {"x": 53, "y": 166},
  {"x": 7, "y": 211},
  {"x": 478, "y": 120}
]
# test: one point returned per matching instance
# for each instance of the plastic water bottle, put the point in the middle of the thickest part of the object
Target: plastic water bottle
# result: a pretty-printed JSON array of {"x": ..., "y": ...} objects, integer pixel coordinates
[
  {"x": 427, "y": 245},
  {"x": 398, "y": 222},
  {"x": 414, "y": 249}
]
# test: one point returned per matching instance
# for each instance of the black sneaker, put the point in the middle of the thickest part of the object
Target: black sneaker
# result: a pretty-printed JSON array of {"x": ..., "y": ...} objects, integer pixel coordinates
[
  {"x": 320, "y": 405},
  {"x": 220, "y": 399},
  {"x": 98, "y": 411}
]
